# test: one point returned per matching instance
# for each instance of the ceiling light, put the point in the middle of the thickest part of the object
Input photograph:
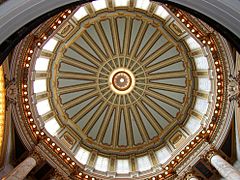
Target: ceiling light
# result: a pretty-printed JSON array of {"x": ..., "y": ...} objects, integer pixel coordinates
[
  {"x": 161, "y": 12},
  {"x": 142, "y": 4},
  {"x": 39, "y": 85},
  {"x": 81, "y": 13},
  {"x": 99, "y": 4},
  {"x": 121, "y": 3},
  {"x": 52, "y": 126},
  {"x": 50, "y": 45},
  {"x": 41, "y": 64},
  {"x": 43, "y": 107}
]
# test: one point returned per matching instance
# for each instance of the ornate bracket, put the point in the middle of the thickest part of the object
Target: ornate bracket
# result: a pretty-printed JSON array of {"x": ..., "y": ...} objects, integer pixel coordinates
[
  {"x": 210, "y": 154},
  {"x": 234, "y": 88},
  {"x": 11, "y": 92},
  {"x": 190, "y": 175},
  {"x": 39, "y": 158}
]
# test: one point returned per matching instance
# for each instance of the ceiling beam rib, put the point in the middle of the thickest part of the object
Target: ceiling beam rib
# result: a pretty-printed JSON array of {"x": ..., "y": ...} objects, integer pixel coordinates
[
  {"x": 105, "y": 124},
  {"x": 127, "y": 36},
  {"x": 73, "y": 75},
  {"x": 168, "y": 87},
  {"x": 148, "y": 45},
  {"x": 150, "y": 117},
  {"x": 86, "y": 109},
  {"x": 165, "y": 99},
  {"x": 128, "y": 125},
  {"x": 166, "y": 75},
  {"x": 164, "y": 63},
  {"x": 85, "y": 54},
  {"x": 75, "y": 88},
  {"x": 94, "y": 118},
  {"x": 94, "y": 46},
  {"x": 138, "y": 39},
  {"x": 115, "y": 35},
  {"x": 104, "y": 40},
  {"x": 158, "y": 109},
  {"x": 140, "y": 124},
  {"x": 157, "y": 53},
  {"x": 79, "y": 64},
  {"x": 79, "y": 100},
  {"x": 116, "y": 126}
]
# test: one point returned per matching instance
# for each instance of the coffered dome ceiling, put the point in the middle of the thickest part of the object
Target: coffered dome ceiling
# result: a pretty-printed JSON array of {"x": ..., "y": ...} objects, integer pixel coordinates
[
  {"x": 121, "y": 81},
  {"x": 122, "y": 86}
]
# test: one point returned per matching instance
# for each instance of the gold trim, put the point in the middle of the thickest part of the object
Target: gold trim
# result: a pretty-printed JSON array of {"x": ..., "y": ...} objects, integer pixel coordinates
[{"x": 2, "y": 112}]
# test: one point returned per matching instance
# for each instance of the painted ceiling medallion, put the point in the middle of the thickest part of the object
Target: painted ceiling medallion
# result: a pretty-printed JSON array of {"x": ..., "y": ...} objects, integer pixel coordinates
[
  {"x": 121, "y": 81},
  {"x": 110, "y": 76}
]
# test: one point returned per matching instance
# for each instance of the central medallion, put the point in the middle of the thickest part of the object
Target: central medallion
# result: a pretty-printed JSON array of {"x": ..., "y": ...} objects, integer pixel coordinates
[{"x": 121, "y": 81}]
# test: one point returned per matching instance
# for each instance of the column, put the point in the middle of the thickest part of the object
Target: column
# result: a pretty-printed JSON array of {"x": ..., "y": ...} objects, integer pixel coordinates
[
  {"x": 22, "y": 170},
  {"x": 193, "y": 178},
  {"x": 225, "y": 169}
]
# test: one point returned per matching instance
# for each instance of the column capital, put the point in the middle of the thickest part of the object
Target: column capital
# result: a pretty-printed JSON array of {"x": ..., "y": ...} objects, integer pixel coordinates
[
  {"x": 190, "y": 176},
  {"x": 11, "y": 92},
  {"x": 212, "y": 152},
  {"x": 37, "y": 156},
  {"x": 234, "y": 88},
  {"x": 22, "y": 169}
]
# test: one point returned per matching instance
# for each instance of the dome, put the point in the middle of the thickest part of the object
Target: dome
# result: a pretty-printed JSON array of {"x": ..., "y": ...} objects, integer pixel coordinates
[{"x": 123, "y": 89}]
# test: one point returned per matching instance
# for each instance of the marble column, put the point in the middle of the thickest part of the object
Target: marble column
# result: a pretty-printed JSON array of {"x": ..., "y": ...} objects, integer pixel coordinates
[
  {"x": 225, "y": 169},
  {"x": 22, "y": 170}
]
